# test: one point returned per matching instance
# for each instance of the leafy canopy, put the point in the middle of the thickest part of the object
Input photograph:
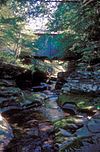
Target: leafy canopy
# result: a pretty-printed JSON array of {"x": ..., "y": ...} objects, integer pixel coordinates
[{"x": 80, "y": 24}]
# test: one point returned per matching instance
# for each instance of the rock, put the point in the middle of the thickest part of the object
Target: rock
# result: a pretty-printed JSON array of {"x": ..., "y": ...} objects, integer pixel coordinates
[
  {"x": 5, "y": 133},
  {"x": 65, "y": 133},
  {"x": 24, "y": 80},
  {"x": 45, "y": 128},
  {"x": 28, "y": 79},
  {"x": 50, "y": 108},
  {"x": 11, "y": 101},
  {"x": 29, "y": 104},
  {"x": 61, "y": 76},
  {"x": 51, "y": 105},
  {"x": 30, "y": 99},
  {"x": 53, "y": 114},
  {"x": 10, "y": 97},
  {"x": 90, "y": 128},
  {"x": 83, "y": 132},
  {"x": 52, "y": 98},
  {"x": 94, "y": 125},
  {"x": 7, "y": 83},
  {"x": 32, "y": 132},
  {"x": 39, "y": 88},
  {"x": 70, "y": 108},
  {"x": 60, "y": 80},
  {"x": 10, "y": 91},
  {"x": 73, "y": 127},
  {"x": 90, "y": 110},
  {"x": 58, "y": 85},
  {"x": 66, "y": 143},
  {"x": 10, "y": 71},
  {"x": 10, "y": 108},
  {"x": 86, "y": 82}
]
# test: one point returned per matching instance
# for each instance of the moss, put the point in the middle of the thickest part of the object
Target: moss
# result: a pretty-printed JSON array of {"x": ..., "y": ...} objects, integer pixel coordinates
[
  {"x": 64, "y": 123},
  {"x": 31, "y": 96},
  {"x": 81, "y": 101},
  {"x": 59, "y": 138},
  {"x": 73, "y": 98}
]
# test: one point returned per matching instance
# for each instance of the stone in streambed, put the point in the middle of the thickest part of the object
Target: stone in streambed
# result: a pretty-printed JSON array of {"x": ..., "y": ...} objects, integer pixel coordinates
[
  {"x": 70, "y": 108},
  {"x": 53, "y": 114},
  {"x": 65, "y": 132}
]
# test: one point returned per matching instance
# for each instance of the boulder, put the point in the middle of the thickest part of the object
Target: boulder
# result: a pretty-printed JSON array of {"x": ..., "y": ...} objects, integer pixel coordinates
[
  {"x": 70, "y": 108},
  {"x": 10, "y": 71}
]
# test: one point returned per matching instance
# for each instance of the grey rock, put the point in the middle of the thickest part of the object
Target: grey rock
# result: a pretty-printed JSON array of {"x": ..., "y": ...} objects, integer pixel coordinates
[
  {"x": 65, "y": 132},
  {"x": 79, "y": 81},
  {"x": 83, "y": 132},
  {"x": 94, "y": 125},
  {"x": 53, "y": 114},
  {"x": 70, "y": 107}
]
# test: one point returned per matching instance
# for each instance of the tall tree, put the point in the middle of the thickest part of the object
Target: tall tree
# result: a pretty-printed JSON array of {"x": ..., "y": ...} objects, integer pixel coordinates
[
  {"x": 13, "y": 34},
  {"x": 80, "y": 24}
]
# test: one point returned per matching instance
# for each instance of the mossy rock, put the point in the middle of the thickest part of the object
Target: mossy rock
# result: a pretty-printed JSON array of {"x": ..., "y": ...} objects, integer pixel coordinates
[
  {"x": 81, "y": 101},
  {"x": 66, "y": 122},
  {"x": 59, "y": 138},
  {"x": 29, "y": 98}
]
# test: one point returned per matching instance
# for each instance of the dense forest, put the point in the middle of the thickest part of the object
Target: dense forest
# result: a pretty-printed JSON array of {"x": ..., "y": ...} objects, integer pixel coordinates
[{"x": 49, "y": 75}]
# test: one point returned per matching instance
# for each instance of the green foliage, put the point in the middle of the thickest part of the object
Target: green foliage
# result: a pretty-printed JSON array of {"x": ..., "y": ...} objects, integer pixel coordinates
[
  {"x": 81, "y": 27},
  {"x": 13, "y": 35},
  {"x": 7, "y": 56},
  {"x": 74, "y": 145},
  {"x": 79, "y": 23}
]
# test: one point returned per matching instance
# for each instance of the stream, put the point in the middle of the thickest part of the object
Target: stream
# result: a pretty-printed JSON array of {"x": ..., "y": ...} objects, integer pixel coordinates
[{"x": 38, "y": 124}]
